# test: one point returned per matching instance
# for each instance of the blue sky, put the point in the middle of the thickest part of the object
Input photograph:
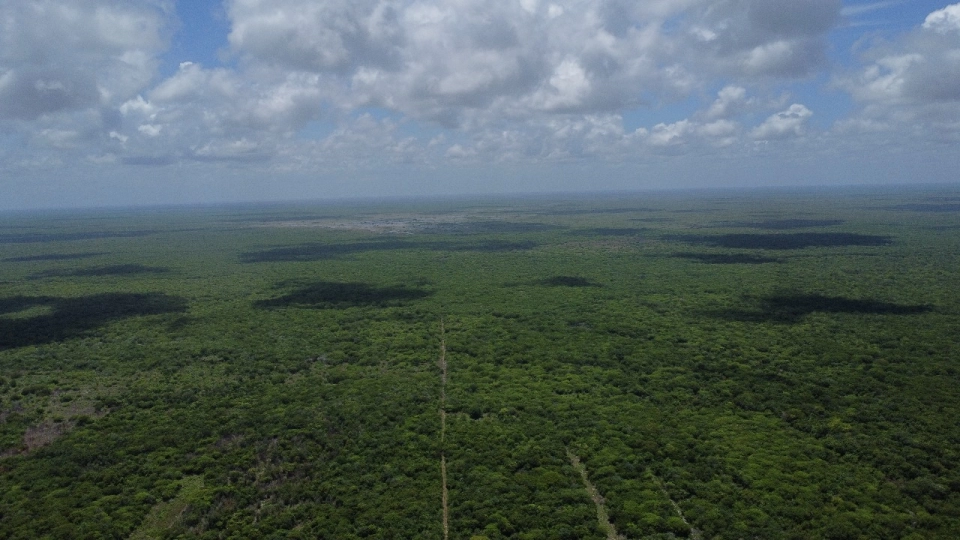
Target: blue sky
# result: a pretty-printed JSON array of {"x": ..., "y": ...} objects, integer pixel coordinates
[
  {"x": 200, "y": 35},
  {"x": 156, "y": 102}
]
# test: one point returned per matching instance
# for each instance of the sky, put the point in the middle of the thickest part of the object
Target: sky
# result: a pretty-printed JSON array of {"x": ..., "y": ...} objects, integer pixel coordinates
[{"x": 145, "y": 102}]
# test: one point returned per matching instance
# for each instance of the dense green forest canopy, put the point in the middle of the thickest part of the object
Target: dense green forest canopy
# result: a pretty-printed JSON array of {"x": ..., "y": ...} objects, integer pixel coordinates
[{"x": 707, "y": 365}]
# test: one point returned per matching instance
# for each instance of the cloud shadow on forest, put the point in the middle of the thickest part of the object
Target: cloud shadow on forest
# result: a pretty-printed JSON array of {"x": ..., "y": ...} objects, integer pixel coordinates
[
  {"x": 317, "y": 251},
  {"x": 791, "y": 308},
  {"x": 610, "y": 231},
  {"x": 487, "y": 227},
  {"x": 783, "y": 241},
  {"x": 35, "y": 320},
  {"x": 336, "y": 295},
  {"x": 98, "y": 271},
  {"x": 653, "y": 220},
  {"x": 725, "y": 258},
  {"x": 927, "y": 207},
  {"x": 567, "y": 281},
  {"x": 785, "y": 224},
  {"x": 279, "y": 218},
  {"x": 55, "y": 257},
  {"x": 555, "y": 281},
  {"x": 589, "y": 211},
  {"x": 42, "y": 238}
]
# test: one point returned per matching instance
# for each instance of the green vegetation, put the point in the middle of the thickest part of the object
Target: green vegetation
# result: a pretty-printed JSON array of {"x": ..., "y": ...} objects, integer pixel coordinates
[{"x": 726, "y": 365}]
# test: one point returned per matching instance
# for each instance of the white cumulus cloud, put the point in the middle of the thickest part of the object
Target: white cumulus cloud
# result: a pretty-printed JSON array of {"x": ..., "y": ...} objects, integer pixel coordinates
[
  {"x": 783, "y": 125},
  {"x": 460, "y": 62},
  {"x": 911, "y": 85},
  {"x": 944, "y": 20},
  {"x": 335, "y": 82},
  {"x": 60, "y": 56},
  {"x": 765, "y": 38}
]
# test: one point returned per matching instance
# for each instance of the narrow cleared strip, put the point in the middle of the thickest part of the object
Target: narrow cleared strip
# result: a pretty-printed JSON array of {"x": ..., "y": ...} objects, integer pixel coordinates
[
  {"x": 443, "y": 383},
  {"x": 603, "y": 518},
  {"x": 446, "y": 507},
  {"x": 695, "y": 534},
  {"x": 443, "y": 431}
]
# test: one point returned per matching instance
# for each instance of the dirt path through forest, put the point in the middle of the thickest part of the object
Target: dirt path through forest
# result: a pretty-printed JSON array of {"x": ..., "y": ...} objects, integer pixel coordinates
[
  {"x": 695, "y": 534},
  {"x": 443, "y": 430},
  {"x": 602, "y": 516}
]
